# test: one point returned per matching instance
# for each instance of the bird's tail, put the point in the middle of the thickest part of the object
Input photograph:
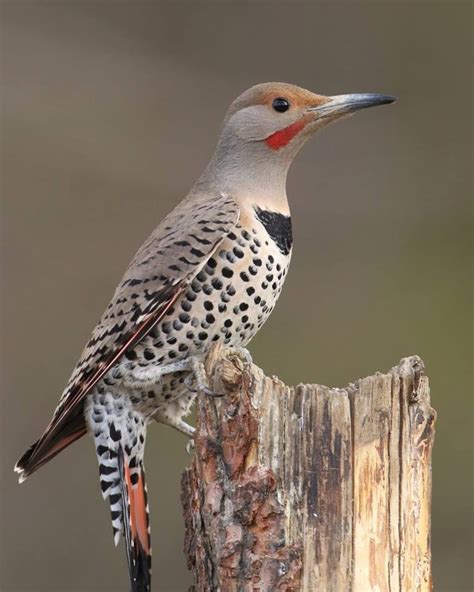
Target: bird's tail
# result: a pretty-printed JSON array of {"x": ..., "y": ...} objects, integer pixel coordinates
[
  {"x": 122, "y": 480},
  {"x": 136, "y": 522},
  {"x": 119, "y": 433}
]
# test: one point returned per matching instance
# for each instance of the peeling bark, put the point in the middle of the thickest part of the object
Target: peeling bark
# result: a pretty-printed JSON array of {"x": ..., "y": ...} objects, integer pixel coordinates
[{"x": 310, "y": 488}]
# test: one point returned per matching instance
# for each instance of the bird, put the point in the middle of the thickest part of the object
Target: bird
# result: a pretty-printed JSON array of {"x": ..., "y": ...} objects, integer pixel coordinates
[{"x": 211, "y": 271}]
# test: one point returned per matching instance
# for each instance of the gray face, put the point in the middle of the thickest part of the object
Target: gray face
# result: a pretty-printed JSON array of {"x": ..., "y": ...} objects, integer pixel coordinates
[
  {"x": 264, "y": 130},
  {"x": 258, "y": 122},
  {"x": 282, "y": 117}
]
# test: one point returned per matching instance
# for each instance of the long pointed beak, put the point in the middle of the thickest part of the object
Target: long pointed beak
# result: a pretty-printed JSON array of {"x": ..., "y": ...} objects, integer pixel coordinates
[{"x": 342, "y": 104}]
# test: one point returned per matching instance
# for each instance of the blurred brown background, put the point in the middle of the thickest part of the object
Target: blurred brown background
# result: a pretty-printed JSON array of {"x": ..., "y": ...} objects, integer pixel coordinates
[{"x": 110, "y": 112}]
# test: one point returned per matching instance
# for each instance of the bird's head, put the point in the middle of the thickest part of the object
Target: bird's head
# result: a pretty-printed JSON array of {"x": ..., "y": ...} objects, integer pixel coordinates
[
  {"x": 282, "y": 116},
  {"x": 264, "y": 129}
]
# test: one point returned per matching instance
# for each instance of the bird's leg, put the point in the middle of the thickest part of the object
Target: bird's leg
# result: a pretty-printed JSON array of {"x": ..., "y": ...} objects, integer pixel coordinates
[
  {"x": 174, "y": 421},
  {"x": 151, "y": 375},
  {"x": 182, "y": 427},
  {"x": 177, "y": 424}
]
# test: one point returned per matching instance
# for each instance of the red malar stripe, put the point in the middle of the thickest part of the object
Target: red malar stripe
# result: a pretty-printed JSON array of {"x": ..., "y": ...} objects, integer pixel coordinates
[{"x": 285, "y": 135}]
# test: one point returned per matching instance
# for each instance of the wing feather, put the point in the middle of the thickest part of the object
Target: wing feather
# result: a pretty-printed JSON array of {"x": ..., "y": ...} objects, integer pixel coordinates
[{"x": 159, "y": 273}]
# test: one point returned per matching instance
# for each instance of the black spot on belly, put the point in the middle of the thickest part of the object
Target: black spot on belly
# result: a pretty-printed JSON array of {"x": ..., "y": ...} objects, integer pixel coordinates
[{"x": 278, "y": 227}]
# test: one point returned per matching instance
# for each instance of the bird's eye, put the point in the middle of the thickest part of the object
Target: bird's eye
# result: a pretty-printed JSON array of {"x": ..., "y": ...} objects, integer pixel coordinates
[{"x": 280, "y": 105}]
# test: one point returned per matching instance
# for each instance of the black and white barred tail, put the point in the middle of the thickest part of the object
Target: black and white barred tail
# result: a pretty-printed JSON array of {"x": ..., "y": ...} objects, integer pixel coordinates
[{"x": 119, "y": 434}]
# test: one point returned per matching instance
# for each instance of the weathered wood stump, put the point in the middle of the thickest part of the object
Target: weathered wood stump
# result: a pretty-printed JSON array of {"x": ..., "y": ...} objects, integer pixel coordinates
[{"x": 310, "y": 488}]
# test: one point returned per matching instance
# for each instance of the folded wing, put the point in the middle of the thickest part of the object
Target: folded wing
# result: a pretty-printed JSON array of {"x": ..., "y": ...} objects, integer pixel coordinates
[{"x": 159, "y": 273}]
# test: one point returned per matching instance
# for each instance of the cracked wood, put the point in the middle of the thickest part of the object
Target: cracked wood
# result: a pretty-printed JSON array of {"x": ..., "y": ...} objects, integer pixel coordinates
[{"x": 310, "y": 488}]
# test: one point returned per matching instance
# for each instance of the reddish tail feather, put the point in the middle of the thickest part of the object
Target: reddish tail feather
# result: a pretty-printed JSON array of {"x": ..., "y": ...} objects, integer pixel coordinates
[{"x": 136, "y": 523}]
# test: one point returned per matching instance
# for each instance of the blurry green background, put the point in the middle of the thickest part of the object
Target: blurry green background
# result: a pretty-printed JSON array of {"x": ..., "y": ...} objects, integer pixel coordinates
[{"x": 110, "y": 111}]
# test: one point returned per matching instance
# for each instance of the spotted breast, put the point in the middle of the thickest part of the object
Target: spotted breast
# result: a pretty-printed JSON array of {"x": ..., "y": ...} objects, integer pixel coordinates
[{"x": 228, "y": 301}]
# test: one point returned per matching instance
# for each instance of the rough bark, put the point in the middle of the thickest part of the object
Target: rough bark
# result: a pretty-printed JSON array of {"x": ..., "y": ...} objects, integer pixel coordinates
[{"x": 310, "y": 488}]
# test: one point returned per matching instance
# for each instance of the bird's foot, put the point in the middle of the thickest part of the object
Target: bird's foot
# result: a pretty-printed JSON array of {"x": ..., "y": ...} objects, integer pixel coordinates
[
  {"x": 241, "y": 353},
  {"x": 181, "y": 426},
  {"x": 196, "y": 381},
  {"x": 176, "y": 423}
]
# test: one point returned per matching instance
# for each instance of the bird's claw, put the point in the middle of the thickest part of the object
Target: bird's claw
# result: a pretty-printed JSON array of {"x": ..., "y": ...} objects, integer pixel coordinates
[
  {"x": 190, "y": 446},
  {"x": 197, "y": 381},
  {"x": 241, "y": 353}
]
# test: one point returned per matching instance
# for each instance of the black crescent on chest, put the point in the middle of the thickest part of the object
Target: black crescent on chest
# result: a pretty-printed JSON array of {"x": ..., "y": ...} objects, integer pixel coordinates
[{"x": 278, "y": 227}]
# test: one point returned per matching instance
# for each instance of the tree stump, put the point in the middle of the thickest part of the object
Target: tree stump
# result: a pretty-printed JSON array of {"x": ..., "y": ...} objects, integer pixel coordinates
[{"x": 310, "y": 488}]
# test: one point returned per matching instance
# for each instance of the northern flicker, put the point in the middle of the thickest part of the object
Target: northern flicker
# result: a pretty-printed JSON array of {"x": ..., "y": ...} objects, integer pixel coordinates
[{"x": 211, "y": 271}]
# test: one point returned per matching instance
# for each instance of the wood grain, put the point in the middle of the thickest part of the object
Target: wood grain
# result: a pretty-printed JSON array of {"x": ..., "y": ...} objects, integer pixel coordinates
[{"x": 310, "y": 488}]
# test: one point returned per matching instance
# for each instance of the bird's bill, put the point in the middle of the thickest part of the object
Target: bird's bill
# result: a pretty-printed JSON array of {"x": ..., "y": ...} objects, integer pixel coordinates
[{"x": 345, "y": 104}]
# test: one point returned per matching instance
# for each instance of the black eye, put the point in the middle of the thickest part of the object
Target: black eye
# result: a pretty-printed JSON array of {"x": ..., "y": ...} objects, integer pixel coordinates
[{"x": 280, "y": 105}]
